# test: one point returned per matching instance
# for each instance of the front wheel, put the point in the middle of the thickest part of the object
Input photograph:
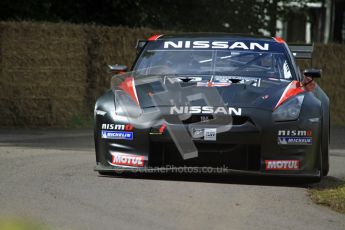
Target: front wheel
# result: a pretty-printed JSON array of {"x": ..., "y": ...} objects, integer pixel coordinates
[
  {"x": 325, "y": 150},
  {"x": 325, "y": 160},
  {"x": 320, "y": 167}
]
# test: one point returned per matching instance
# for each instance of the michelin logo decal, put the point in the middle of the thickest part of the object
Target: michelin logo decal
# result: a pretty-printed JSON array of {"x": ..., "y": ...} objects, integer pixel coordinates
[
  {"x": 295, "y": 140},
  {"x": 119, "y": 135}
]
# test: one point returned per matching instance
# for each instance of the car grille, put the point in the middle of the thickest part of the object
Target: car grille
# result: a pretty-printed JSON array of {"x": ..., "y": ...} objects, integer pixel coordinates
[
  {"x": 240, "y": 157},
  {"x": 236, "y": 120}
]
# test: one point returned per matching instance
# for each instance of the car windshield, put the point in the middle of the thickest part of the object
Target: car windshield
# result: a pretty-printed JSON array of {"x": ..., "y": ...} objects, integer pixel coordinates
[{"x": 214, "y": 62}]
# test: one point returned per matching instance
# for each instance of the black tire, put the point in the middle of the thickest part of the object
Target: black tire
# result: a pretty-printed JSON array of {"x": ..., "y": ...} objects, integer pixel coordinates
[
  {"x": 311, "y": 180},
  {"x": 325, "y": 162},
  {"x": 325, "y": 149},
  {"x": 322, "y": 159},
  {"x": 320, "y": 167}
]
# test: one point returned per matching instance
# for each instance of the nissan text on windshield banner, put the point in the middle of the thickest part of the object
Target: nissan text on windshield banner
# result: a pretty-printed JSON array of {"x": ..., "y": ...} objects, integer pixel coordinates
[{"x": 216, "y": 45}]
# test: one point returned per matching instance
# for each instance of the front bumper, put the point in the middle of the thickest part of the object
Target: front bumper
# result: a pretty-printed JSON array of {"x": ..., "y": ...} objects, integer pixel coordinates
[{"x": 244, "y": 149}]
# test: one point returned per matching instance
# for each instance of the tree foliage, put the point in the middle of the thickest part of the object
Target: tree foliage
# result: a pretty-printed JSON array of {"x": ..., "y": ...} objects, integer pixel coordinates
[{"x": 237, "y": 16}]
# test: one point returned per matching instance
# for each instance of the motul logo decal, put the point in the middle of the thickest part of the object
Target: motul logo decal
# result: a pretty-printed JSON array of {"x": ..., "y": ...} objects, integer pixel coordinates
[
  {"x": 127, "y": 160},
  {"x": 282, "y": 164}
]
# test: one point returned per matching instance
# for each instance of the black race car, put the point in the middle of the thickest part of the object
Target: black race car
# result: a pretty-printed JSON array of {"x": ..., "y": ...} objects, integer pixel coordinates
[{"x": 214, "y": 103}]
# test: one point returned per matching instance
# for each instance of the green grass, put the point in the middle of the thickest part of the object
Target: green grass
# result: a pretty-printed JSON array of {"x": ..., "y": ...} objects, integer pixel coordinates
[
  {"x": 330, "y": 192},
  {"x": 20, "y": 224}
]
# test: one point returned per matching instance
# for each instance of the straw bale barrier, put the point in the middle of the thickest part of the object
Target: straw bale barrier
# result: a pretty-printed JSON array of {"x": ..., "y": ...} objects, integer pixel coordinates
[{"x": 52, "y": 73}]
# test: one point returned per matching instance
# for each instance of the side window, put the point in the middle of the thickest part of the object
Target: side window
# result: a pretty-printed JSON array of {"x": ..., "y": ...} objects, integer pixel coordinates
[{"x": 286, "y": 70}]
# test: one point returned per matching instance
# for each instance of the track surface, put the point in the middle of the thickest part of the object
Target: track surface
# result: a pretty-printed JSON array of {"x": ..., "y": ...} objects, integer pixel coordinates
[{"x": 47, "y": 176}]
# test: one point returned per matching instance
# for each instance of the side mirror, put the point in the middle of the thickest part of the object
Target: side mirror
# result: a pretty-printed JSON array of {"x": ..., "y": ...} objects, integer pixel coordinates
[
  {"x": 313, "y": 73},
  {"x": 117, "y": 69}
]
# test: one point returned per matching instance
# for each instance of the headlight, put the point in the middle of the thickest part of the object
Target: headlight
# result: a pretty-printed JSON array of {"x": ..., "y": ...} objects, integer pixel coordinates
[
  {"x": 125, "y": 106},
  {"x": 289, "y": 110}
]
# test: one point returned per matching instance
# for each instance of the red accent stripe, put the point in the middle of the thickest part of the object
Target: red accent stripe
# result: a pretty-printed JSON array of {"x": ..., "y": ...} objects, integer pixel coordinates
[
  {"x": 294, "y": 88},
  {"x": 162, "y": 128},
  {"x": 129, "y": 87},
  {"x": 279, "y": 40},
  {"x": 154, "y": 37}
]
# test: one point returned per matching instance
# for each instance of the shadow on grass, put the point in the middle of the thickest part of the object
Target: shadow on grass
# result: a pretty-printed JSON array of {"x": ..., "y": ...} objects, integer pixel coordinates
[{"x": 328, "y": 182}]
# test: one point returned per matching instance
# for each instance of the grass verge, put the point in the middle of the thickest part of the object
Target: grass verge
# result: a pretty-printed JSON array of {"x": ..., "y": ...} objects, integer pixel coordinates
[
  {"x": 330, "y": 192},
  {"x": 21, "y": 224}
]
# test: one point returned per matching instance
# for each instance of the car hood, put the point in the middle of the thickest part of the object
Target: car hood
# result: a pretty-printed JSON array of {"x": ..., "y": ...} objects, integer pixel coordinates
[
  {"x": 264, "y": 95},
  {"x": 242, "y": 92}
]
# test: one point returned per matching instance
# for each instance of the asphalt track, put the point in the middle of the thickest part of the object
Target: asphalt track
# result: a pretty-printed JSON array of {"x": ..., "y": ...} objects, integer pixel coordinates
[{"x": 47, "y": 176}]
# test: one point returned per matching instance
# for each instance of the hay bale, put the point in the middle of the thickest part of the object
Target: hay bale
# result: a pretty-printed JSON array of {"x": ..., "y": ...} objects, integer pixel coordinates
[
  {"x": 331, "y": 59},
  {"x": 42, "y": 62},
  {"x": 52, "y": 72}
]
